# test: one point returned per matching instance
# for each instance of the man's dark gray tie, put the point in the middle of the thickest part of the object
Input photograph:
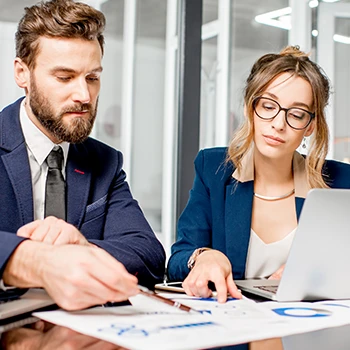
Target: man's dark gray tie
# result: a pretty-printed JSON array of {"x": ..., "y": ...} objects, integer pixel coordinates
[{"x": 55, "y": 195}]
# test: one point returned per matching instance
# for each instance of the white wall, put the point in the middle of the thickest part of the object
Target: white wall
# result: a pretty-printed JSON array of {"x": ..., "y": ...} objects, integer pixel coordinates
[
  {"x": 9, "y": 91},
  {"x": 341, "y": 90}
]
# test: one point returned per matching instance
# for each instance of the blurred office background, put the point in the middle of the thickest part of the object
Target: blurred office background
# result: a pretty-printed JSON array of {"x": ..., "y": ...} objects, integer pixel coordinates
[{"x": 173, "y": 79}]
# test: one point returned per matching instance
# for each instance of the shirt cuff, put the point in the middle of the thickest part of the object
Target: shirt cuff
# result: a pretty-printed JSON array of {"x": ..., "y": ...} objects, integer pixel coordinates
[{"x": 5, "y": 288}]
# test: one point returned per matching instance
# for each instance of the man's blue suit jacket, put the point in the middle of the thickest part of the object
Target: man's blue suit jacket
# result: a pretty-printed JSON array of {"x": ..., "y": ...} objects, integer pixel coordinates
[
  {"x": 99, "y": 202},
  {"x": 219, "y": 210}
]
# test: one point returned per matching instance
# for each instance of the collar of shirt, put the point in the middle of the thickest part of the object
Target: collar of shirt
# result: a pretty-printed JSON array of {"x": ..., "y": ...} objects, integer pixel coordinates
[
  {"x": 300, "y": 179},
  {"x": 37, "y": 142}
]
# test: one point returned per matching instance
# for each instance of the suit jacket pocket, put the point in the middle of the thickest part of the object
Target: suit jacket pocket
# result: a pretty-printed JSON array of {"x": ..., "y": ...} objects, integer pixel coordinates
[{"x": 95, "y": 209}]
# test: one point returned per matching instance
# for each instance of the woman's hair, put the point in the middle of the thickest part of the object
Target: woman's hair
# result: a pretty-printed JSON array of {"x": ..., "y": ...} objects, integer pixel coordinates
[
  {"x": 57, "y": 19},
  {"x": 267, "y": 68}
]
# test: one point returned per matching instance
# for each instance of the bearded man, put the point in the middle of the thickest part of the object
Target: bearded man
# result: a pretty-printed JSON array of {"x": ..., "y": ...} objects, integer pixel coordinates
[{"x": 68, "y": 222}]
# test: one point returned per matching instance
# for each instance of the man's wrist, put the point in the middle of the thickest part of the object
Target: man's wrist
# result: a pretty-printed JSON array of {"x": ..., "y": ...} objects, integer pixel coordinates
[{"x": 23, "y": 269}]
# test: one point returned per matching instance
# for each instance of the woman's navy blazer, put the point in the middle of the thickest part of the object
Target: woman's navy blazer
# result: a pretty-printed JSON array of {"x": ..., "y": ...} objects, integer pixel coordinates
[{"x": 219, "y": 211}]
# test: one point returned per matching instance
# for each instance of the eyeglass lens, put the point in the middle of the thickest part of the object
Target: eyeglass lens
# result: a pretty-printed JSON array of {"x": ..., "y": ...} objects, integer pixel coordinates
[{"x": 266, "y": 108}]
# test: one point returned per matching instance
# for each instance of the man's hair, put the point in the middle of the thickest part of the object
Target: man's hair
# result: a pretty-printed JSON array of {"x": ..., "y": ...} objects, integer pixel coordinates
[
  {"x": 264, "y": 71},
  {"x": 57, "y": 19}
]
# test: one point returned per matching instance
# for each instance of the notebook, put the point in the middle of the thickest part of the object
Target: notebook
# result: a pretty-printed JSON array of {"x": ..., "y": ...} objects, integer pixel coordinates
[
  {"x": 318, "y": 263},
  {"x": 15, "y": 308}
]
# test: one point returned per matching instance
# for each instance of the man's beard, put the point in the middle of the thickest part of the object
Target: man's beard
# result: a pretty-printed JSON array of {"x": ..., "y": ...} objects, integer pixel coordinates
[{"x": 79, "y": 128}]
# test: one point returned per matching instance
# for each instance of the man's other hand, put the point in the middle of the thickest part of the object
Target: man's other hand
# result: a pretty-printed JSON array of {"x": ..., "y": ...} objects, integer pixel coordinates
[
  {"x": 52, "y": 231},
  {"x": 45, "y": 336}
]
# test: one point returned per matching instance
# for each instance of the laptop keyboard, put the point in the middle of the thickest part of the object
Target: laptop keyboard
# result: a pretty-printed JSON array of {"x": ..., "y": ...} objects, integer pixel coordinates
[{"x": 271, "y": 289}]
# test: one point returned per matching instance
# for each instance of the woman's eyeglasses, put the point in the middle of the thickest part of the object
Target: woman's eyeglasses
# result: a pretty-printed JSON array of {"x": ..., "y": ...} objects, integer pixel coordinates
[{"x": 267, "y": 109}]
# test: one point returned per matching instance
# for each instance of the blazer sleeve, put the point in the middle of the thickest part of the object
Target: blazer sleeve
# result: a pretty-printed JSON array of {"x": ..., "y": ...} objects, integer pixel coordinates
[
  {"x": 194, "y": 225},
  {"x": 9, "y": 243},
  {"x": 127, "y": 235}
]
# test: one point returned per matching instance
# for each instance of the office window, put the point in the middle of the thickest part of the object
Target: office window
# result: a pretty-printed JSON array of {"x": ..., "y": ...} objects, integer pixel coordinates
[
  {"x": 341, "y": 93},
  {"x": 332, "y": 36},
  {"x": 249, "y": 40},
  {"x": 144, "y": 162},
  {"x": 108, "y": 122},
  {"x": 147, "y": 150},
  {"x": 9, "y": 91}
]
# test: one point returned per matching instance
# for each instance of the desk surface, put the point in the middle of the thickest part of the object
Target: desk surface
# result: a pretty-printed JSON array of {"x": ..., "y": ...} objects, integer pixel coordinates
[{"x": 43, "y": 335}]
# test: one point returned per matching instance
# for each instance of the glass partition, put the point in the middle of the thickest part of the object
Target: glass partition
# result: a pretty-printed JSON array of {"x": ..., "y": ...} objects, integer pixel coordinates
[
  {"x": 333, "y": 39},
  {"x": 147, "y": 140},
  {"x": 249, "y": 39}
]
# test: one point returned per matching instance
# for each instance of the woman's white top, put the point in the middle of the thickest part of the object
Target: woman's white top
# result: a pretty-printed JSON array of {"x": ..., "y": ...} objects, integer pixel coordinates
[{"x": 265, "y": 259}]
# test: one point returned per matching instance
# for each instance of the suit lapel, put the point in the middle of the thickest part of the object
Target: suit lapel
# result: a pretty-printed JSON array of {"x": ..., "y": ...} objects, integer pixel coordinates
[
  {"x": 238, "y": 215},
  {"x": 18, "y": 170},
  {"x": 299, "y": 202},
  {"x": 78, "y": 179},
  {"x": 16, "y": 160}
]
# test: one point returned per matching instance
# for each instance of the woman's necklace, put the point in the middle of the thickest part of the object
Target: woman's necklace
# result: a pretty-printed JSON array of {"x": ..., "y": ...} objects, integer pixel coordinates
[{"x": 277, "y": 198}]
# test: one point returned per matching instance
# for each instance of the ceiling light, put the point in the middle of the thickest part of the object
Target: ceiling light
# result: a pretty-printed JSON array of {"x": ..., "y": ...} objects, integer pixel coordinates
[
  {"x": 330, "y": 0},
  {"x": 313, "y": 3},
  {"x": 314, "y": 32},
  {"x": 341, "y": 39},
  {"x": 279, "y": 18}
]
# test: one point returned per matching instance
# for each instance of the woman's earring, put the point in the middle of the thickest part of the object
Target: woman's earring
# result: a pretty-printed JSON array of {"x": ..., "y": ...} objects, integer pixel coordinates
[{"x": 304, "y": 143}]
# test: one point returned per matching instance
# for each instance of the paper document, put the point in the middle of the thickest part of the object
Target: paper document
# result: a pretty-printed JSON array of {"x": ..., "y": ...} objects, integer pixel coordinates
[{"x": 148, "y": 324}]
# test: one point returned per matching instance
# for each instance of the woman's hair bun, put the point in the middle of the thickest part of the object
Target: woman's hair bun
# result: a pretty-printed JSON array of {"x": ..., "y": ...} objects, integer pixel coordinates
[{"x": 293, "y": 51}]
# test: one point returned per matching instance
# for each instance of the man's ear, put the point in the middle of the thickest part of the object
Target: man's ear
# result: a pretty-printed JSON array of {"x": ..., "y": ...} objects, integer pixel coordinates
[
  {"x": 310, "y": 128},
  {"x": 22, "y": 73}
]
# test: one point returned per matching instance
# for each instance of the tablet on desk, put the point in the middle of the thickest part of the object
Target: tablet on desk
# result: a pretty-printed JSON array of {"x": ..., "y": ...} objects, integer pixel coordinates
[
  {"x": 177, "y": 287},
  {"x": 170, "y": 287}
]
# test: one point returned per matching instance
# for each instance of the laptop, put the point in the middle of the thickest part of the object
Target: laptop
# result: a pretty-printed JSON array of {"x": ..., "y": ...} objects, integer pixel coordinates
[
  {"x": 318, "y": 263},
  {"x": 14, "y": 307}
]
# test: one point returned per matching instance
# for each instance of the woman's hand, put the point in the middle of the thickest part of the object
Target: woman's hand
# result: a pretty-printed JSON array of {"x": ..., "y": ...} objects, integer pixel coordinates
[
  {"x": 214, "y": 266},
  {"x": 278, "y": 274}
]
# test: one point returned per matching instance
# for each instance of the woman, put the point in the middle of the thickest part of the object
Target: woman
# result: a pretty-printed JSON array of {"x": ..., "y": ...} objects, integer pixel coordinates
[{"x": 245, "y": 203}]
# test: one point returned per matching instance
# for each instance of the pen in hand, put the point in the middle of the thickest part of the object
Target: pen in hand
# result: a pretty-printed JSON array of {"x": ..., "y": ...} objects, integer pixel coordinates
[{"x": 149, "y": 293}]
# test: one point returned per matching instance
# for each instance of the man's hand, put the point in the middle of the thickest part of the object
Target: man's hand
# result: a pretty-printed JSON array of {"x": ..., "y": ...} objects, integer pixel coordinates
[
  {"x": 52, "y": 231},
  {"x": 45, "y": 336},
  {"x": 214, "y": 266},
  {"x": 75, "y": 276}
]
